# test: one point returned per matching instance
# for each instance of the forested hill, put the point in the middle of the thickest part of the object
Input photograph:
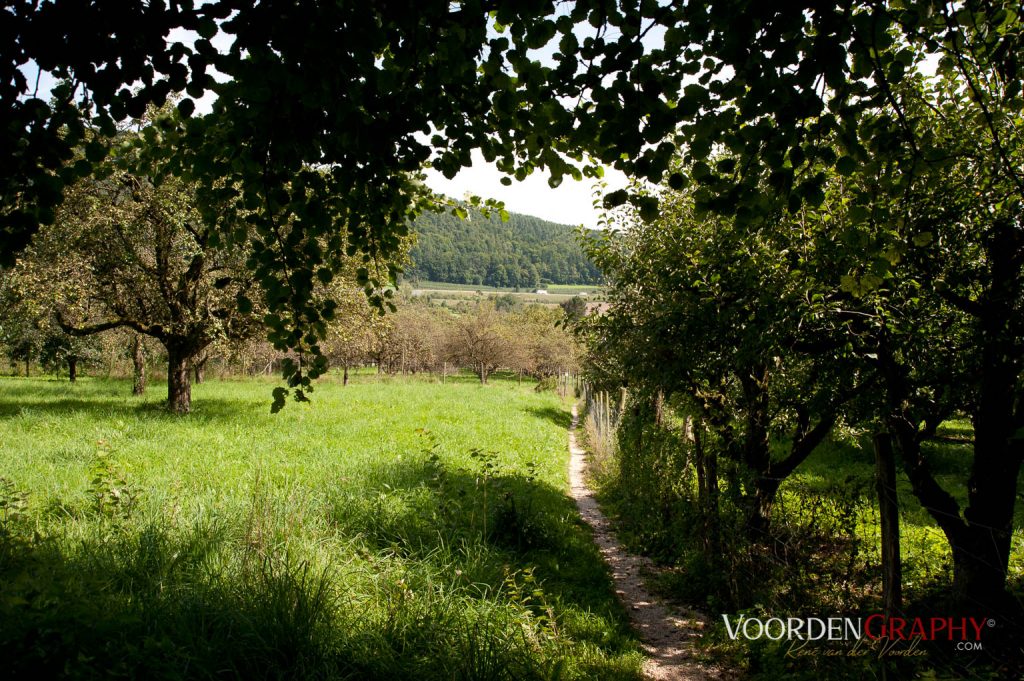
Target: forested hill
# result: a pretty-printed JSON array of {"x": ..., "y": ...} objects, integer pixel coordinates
[{"x": 525, "y": 251}]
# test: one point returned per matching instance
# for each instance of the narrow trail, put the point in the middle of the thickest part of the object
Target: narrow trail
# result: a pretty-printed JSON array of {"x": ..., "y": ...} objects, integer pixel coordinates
[{"x": 667, "y": 637}]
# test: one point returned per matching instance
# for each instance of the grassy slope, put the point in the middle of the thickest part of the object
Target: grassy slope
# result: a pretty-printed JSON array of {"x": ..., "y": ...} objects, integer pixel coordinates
[{"x": 334, "y": 539}]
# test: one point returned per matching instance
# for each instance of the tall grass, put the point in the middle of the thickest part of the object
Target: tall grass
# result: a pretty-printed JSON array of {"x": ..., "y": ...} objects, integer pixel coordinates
[{"x": 398, "y": 529}]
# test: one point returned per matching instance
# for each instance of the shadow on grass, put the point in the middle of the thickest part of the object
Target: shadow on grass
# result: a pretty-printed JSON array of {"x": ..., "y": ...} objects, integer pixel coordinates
[
  {"x": 559, "y": 417},
  {"x": 438, "y": 574},
  {"x": 105, "y": 399},
  {"x": 151, "y": 603},
  {"x": 506, "y": 520}
]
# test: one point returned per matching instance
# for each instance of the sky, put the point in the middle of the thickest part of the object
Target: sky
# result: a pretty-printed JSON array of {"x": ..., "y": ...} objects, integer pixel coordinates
[{"x": 571, "y": 203}]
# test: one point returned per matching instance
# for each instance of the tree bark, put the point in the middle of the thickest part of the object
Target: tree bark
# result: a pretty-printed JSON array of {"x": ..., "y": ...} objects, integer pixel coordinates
[
  {"x": 889, "y": 519},
  {"x": 706, "y": 463},
  {"x": 199, "y": 368},
  {"x": 981, "y": 563},
  {"x": 72, "y": 368},
  {"x": 179, "y": 387},
  {"x": 980, "y": 538},
  {"x": 760, "y": 514},
  {"x": 138, "y": 366},
  {"x": 981, "y": 560}
]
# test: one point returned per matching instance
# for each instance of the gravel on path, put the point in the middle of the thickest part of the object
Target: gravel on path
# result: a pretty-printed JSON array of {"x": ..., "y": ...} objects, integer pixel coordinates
[{"x": 667, "y": 636}]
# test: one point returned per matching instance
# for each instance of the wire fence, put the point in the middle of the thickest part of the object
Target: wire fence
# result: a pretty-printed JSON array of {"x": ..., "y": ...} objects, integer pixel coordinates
[{"x": 602, "y": 415}]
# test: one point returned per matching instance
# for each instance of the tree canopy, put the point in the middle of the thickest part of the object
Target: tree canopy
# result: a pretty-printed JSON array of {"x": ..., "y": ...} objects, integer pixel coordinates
[{"x": 325, "y": 111}]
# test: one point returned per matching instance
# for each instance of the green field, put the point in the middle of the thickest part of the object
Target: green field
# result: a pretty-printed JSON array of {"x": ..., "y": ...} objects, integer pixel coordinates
[
  {"x": 453, "y": 297},
  {"x": 390, "y": 529},
  {"x": 552, "y": 289}
]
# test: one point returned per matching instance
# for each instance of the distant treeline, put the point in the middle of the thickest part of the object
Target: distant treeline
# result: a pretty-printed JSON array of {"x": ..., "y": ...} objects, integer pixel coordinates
[{"x": 524, "y": 252}]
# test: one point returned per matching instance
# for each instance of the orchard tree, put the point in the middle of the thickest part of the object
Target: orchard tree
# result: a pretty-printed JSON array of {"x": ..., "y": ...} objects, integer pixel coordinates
[
  {"x": 940, "y": 306},
  {"x": 480, "y": 341},
  {"x": 352, "y": 331},
  {"x": 539, "y": 334},
  {"x": 574, "y": 308},
  {"x": 133, "y": 251},
  {"x": 420, "y": 329},
  {"x": 61, "y": 350},
  {"x": 29, "y": 328},
  {"x": 710, "y": 311},
  {"x": 914, "y": 274}
]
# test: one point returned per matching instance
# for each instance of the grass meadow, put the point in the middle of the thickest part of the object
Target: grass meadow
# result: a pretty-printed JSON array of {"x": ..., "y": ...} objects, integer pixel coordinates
[{"x": 390, "y": 529}]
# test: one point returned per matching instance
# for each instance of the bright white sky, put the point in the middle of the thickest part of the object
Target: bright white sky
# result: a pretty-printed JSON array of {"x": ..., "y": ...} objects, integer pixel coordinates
[{"x": 571, "y": 203}]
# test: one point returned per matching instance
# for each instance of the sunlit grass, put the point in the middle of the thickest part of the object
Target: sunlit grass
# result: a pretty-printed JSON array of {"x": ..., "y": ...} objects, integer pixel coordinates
[{"x": 389, "y": 529}]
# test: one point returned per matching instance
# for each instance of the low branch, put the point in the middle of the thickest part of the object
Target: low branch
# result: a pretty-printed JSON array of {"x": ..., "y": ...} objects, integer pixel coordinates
[{"x": 88, "y": 329}]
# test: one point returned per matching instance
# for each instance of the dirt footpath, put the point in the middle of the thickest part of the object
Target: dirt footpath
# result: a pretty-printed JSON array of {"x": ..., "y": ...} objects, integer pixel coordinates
[{"x": 667, "y": 635}]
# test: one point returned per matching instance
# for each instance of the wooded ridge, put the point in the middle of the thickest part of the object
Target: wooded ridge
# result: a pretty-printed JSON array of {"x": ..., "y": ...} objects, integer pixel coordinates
[{"x": 524, "y": 251}]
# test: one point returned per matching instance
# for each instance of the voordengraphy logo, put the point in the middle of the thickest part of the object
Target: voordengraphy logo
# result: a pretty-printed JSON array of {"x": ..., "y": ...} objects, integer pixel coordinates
[
  {"x": 794, "y": 628},
  {"x": 872, "y": 628},
  {"x": 926, "y": 628}
]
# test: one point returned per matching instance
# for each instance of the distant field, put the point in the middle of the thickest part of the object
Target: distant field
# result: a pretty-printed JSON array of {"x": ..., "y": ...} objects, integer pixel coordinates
[
  {"x": 451, "y": 294},
  {"x": 564, "y": 289},
  {"x": 391, "y": 529}
]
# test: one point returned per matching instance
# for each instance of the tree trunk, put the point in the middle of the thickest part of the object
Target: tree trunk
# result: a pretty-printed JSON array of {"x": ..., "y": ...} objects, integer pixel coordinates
[
  {"x": 344, "y": 375},
  {"x": 981, "y": 562},
  {"x": 199, "y": 368},
  {"x": 981, "y": 545},
  {"x": 756, "y": 452},
  {"x": 138, "y": 366},
  {"x": 762, "y": 502},
  {"x": 179, "y": 387},
  {"x": 26, "y": 366},
  {"x": 706, "y": 463},
  {"x": 72, "y": 368},
  {"x": 981, "y": 559},
  {"x": 981, "y": 538},
  {"x": 889, "y": 519}
]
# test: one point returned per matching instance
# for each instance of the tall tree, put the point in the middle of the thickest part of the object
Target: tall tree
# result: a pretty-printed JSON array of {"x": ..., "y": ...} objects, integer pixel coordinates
[
  {"x": 941, "y": 302},
  {"x": 703, "y": 308},
  {"x": 139, "y": 254},
  {"x": 480, "y": 341}
]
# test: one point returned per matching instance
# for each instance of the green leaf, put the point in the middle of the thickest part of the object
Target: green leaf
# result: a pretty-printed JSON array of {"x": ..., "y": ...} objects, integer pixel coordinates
[
  {"x": 95, "y": 151},
  {"x": 207, "y": 28},
  {"x": 846, "y": 166},
  {"x": 677, "y": 181},
  {"x": 616, "y": 198}
]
